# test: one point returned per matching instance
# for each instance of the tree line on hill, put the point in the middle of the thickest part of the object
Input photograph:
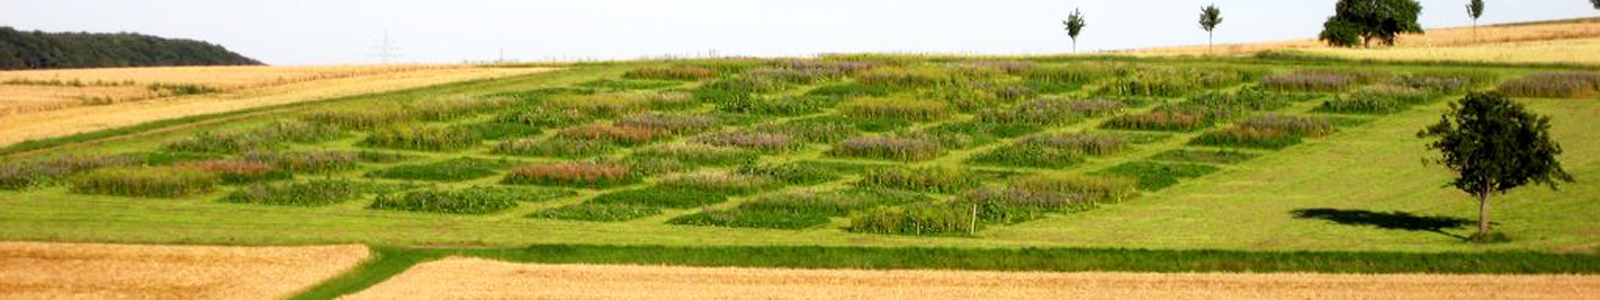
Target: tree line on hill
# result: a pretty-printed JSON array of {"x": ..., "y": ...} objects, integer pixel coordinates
[{"x": 53, "y": 50}]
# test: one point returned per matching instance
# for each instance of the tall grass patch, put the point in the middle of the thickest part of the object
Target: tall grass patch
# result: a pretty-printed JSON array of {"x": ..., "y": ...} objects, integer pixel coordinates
[
  {"x": 1379, "y": 99},
  {"x": 682, "y": 72},
  {"x": 1268, "y": 131},
  {"x": 758, "y": 141},
  {"x": 1054, "y": 79},
  {"x": 1050, "y": 111},
  {"x": 306, "y": 161},
  {"x": 942, "y": 180},
  {"x": 1053, "y": 151},
  {"x": 475, "y": 200},
  {"x": 616, "y": 85},
  {"x": 1445, "y": 82},
  {"x": 596, "y": 212},
  {"x": 574, "y": 174},
  {"x": 148, "y": 182},
  {"x": 776, "y": 105},
  {"x": 361, "y": 118},
  {"x": 908, "y": 77},
  {"x": 555, "y": 147},
  {"x": 609, "y": 105},
  {"x": 1225, "y": 157},
  {"x": 1321, "y": 81},
  {"x": 310, "y": 193},
  {"x": 699, "y": 154},
  {"x": 661, "y": 197},
  {"x": 1154, "y": 176},
  {"x": 423, "y": 137},
  {"x": 452, "y": 170},
  {"x": 1180, "y": 118},
  {"x": 888, "y": 147},
  {"x": 719, "y": 182},
  {"x": 238, "y": 171},
  {"x": 1022, "y": 198},
  {"x": 1553, "y": 85},
  {"x": 812, "y": 130},
  {"x": 896, "y": 108},
  {"x": 973, "y": 133},
  {"x": 676, "y": 124},
  {"x": 37, "y": 172},
  {"x": 796, "y": 173},
  {"x": 626, "y": 136},
  {"x": 1173, "y": 82},
  {"x": 851, "y": 90}
]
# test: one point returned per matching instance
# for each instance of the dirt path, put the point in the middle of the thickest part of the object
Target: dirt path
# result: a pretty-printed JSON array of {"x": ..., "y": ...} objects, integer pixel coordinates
[
  {"x": 30, "y": 270},
  {"x": 467, "y": 278}
]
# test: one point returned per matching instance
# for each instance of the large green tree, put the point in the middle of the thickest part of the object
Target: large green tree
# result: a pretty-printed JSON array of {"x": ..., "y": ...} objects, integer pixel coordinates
[
  {"x": 1075, "y": 24},
  {"x": 1359, "y": 22},
  {"x": 1210, "y": 17},
  {"x": 1494, "y": 145}
]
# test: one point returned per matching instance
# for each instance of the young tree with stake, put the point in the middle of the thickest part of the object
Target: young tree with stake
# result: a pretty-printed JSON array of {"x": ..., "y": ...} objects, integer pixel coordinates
[
  {"x": 1075, "y": 23},
  {"x": 1475, "y": 10},
  {"x": 1210, "y": 17},
  {"x": 1494, "y": 145}
]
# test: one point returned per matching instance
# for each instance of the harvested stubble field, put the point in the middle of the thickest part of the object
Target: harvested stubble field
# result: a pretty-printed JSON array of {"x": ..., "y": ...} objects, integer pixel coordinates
[
  {"x": 1563, "y": 41},
  {"x": 49, "y": 105},
  {"x": 30, "y": 270},
  {"x": 472, "y": 278}
]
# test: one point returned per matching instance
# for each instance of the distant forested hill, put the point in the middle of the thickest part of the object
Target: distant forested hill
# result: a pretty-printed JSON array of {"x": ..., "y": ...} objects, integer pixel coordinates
[{"x": 52, "y": 50}]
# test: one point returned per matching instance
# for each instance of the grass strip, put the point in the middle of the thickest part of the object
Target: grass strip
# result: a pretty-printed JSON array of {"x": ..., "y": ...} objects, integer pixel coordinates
[{"x": 385, "y": 263}]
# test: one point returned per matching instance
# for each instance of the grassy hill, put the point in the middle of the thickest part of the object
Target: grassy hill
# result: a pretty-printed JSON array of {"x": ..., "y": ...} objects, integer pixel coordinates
[{"x": 858, "y": 150}]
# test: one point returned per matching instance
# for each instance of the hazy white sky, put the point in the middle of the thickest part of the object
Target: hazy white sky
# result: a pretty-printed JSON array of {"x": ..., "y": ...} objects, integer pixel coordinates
[{"x": 295, "y": 32}]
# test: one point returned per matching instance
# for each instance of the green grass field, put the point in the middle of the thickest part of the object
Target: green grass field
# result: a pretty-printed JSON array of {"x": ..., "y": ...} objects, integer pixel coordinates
[{"x": 1356, "y": 183}]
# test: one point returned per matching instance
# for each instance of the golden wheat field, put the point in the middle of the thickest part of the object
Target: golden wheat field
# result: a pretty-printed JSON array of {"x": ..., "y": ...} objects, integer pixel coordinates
[
  {"x": 41, "y": 90},
  {"x": 1569, "y": 41},
  {"x": 30, "y": 270},
  {"x": 470, "y": 278},
  {"x": 30, "y": 125}
]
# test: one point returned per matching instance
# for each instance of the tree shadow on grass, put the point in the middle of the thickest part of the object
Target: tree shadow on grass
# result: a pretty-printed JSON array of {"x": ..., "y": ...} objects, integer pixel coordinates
[{"x": 1397, "y": 220}]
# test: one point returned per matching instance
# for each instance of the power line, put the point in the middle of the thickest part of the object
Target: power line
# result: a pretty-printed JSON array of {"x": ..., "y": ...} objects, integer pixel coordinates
[{"x": 386, "y": 49}]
